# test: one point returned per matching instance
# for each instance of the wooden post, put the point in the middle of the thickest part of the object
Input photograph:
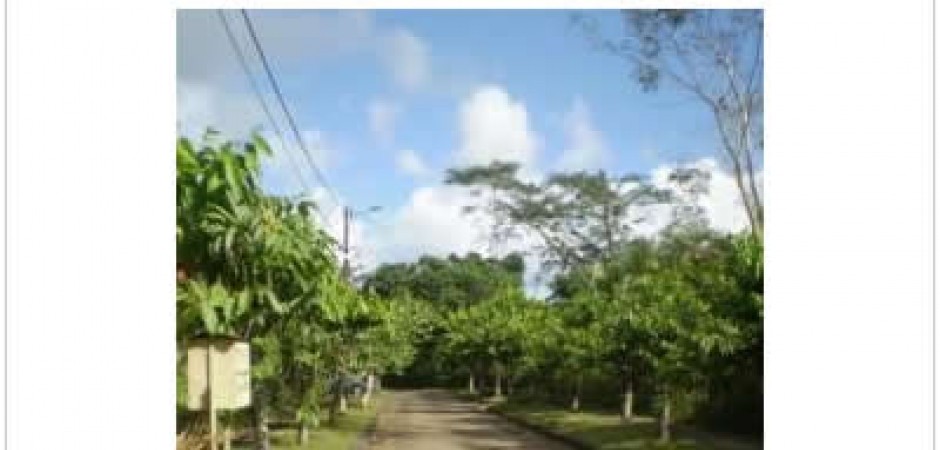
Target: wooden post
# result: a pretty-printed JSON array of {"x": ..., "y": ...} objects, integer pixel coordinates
[{"x": 213, "y": 442}]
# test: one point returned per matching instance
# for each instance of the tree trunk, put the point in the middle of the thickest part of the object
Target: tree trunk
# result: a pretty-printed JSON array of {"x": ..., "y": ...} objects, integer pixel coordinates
[
  {"x": 370, "y": 386},
  {"x": 471, "y": 386},
  {"x": 508, "y": 379},
  {"x": 262, "y": 441},
  {"x": 497, "y": 386},
  {"x": 664, "y": 421},
  {"x": 337, "y": 403},
  {"x": 303, "y": 433},
  {"x": 734, "y": 155},
  {"x": 576, "y": 398},
  {"x": 626, "y": 411}
]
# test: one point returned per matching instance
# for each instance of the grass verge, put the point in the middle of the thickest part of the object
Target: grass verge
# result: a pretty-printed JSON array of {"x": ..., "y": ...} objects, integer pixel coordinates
[
  {"x": 605, "y": 431},
  {"x": 344, "y": 435}
]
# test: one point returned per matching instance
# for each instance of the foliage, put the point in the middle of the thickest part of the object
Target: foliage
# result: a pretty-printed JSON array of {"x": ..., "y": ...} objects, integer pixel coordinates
[
  {"x": 247, "y": 257},
  {"x": 679, "y": 315},
  {"x": 449, "y": 283},
  {"x": 258, "y": 267},
  {"x": 579, "y": 217}
]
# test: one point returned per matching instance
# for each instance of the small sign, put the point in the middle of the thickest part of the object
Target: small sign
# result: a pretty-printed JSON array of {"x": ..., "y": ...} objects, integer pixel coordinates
[{"x": 229, "y": 369}]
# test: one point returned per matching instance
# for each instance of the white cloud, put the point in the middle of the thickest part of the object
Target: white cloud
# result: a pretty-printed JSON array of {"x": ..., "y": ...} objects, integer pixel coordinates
[
  {"x": 432, "y": 222},
  {"x": 585, "y": 147},
  {"x": 382, "y": 117},
  {"x": 492, "y": 126},
  {"x": 722, "y": 202},
  {"x": 411, "y": 163},
  {"x": 407, "y": 58}
]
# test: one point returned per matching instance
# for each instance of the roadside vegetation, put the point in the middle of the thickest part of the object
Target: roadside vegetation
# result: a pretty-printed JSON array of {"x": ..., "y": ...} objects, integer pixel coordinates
[
  {"x": 645, "y": 339},
  {"x": 259, "y": 268},
  {"x": 606, "y": 431},
  {"x": 345, "y": 434}
]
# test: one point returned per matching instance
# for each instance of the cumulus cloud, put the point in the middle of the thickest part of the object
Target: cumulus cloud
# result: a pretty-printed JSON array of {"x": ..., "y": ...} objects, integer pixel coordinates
[
  {"x": 722, "y": 203},
  {"x": 492, "y": 126},
  {"x": 411, "y": 163},
  {"x": 585, "y": 147},
  {"x": 432, "y": 222},
  {"x": 382, "y": 117},
  {"x": 407, "y": 58}
]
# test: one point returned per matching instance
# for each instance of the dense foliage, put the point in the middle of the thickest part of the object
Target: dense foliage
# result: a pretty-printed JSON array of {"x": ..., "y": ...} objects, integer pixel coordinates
[
  {"x": 257, "y": 267},
  {"x": 672, "y": 323}
]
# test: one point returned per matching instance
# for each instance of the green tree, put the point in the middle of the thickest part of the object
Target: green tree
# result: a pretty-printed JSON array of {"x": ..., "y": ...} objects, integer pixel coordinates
[
  {"x": 257, "y": 267},
  {"x": 579, "y": 217},
  {"x": 692, "y": 311},
  {"x": 451, "y": 282}
]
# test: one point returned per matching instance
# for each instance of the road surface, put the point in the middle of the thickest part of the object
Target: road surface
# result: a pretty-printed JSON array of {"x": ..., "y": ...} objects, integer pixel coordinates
[{"x": 435, "y": 420}]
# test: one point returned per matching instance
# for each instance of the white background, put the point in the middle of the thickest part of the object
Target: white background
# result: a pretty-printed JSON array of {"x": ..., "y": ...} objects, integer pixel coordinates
[{"x": 90, "y": 220}]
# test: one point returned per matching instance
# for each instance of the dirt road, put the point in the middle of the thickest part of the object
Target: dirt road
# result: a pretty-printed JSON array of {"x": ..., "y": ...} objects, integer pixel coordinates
[{"x": 435, "y": 420}]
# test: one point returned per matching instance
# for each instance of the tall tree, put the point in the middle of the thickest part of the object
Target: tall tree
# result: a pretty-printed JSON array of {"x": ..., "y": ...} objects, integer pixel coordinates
[
  {"x": 580, "y": 217},
  {"x": 716, "y": 56}
]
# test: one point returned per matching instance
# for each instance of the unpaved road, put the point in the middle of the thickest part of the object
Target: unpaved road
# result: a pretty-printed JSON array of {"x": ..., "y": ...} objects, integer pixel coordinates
[{"x": 435, "y": 420}]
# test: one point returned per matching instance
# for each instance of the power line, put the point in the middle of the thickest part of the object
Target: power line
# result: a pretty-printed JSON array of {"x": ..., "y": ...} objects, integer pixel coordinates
[
  {"x": 290, "y": 118},
  {"x": 264, "y": 106}
]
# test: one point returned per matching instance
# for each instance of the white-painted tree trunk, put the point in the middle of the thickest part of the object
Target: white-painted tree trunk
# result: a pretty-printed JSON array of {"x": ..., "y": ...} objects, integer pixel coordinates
[
  {"x": 627, "y": 408},
  {"x": 576, "y": 398},
  {"x": 498, "y": 386},
  {"x": 471, "y": 385},
  {"x": 370, "y": 387},
  {"x": 664, "y": 422}
]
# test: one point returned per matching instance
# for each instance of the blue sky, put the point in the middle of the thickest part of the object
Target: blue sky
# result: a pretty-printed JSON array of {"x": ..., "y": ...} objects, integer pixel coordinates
[{"x": 389, "y": 99}]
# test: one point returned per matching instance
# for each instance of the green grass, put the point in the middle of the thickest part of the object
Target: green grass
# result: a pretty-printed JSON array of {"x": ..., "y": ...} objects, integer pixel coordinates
[
  {"x": 605, "y": 431},
  {"x": 344, "y": 435}
]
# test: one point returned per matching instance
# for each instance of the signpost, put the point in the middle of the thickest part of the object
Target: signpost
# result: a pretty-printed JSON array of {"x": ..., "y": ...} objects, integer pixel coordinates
[{"x": 219, "y": 378}]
